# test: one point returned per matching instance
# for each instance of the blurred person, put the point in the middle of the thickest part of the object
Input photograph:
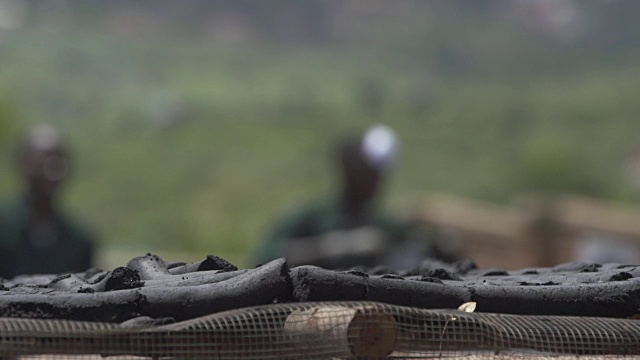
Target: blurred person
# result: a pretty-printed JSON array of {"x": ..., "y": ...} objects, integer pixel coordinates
[
  {"x": 348, "y": 230},
  {"x": 35, "y": 236}
]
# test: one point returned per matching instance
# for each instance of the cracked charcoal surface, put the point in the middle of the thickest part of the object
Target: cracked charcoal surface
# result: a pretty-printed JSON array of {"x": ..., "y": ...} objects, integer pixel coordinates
[
  {"x": 149, "y": 287},
  {"x": 216, "y": 263},
  {"x": 119, "y": 295},
  {"x": 122, "y": 278}
]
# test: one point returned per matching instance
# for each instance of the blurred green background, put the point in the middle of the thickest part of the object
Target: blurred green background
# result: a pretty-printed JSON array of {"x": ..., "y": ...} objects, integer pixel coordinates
[{"x": 194, "y": 124}]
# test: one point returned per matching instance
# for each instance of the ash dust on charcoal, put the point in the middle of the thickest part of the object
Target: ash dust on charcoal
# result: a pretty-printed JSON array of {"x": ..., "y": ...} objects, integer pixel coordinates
[{"x": 150, "y": 289}]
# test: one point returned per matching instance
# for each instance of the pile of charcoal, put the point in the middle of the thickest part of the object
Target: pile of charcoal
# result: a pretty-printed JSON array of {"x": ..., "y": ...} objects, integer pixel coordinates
[{"x": 151, "y": 287}]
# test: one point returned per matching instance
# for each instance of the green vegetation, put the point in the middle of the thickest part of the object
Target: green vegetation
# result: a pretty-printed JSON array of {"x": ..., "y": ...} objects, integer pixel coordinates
[{"x": 185, "y": 146}]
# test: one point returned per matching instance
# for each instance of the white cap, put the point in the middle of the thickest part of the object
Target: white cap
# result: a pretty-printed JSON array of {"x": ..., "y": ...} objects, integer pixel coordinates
[
  {"x": 44, "y": 137},
  {"x": 380, "y": 146}
]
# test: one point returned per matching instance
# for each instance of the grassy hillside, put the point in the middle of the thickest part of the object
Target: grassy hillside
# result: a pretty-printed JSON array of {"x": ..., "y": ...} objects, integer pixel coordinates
[{"x": 182, "y": 146}]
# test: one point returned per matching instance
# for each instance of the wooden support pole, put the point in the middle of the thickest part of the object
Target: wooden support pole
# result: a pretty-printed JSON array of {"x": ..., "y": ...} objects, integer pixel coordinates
[{"x": 363, "y": 333}]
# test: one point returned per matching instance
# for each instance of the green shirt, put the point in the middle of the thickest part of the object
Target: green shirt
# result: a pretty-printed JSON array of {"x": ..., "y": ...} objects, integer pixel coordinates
[
  {"x": 53, "y": 247},
  {"x": 310, "y": 222}
]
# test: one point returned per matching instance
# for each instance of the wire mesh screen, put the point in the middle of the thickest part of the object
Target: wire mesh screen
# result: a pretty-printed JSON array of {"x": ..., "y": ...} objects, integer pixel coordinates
[{"x": 329, "y": 330}]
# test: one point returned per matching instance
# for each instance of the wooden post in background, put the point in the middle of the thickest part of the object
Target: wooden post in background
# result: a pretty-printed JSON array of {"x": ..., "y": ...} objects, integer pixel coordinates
[{"x": 542, "y": 231}]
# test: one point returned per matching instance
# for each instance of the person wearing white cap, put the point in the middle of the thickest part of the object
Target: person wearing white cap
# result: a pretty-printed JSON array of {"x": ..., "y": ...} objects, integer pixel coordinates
[
  {"x": 349, "y": 230},
  {"x": 35, "y": 236}
]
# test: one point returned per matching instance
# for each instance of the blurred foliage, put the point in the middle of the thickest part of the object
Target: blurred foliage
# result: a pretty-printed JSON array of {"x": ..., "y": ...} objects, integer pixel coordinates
[
  {"x": 8, "y": 120},
  {"x": 185, "y": 141},
  {"x": 553, "y": 165},
  {"x": 8, "y": 131}
]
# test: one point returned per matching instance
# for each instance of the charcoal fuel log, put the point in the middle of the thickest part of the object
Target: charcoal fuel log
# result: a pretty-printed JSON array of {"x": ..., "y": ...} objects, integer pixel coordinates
[
  {"x": 609, "y": 291},
  {"x": 149, "y": 286},
  {"x": 615, "y": 299},
  {"x": 266, "y": 284},
  {"x": 316, "y": 284}
]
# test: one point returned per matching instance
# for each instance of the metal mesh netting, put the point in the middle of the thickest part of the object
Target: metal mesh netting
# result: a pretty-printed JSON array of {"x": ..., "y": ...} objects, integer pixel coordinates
[{"x": 326, "y": 330}]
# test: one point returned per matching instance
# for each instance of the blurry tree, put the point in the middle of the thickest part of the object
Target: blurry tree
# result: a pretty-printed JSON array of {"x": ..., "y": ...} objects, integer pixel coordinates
[
  {"x": 280, "y": 20},
  {"x": 371, "y": 93},
  {"x": 8, "y": 130},
  {"x": 607, "y": 29},
  {"x": 553, "y": 165},
  {"x": 8, "y": 115}
]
